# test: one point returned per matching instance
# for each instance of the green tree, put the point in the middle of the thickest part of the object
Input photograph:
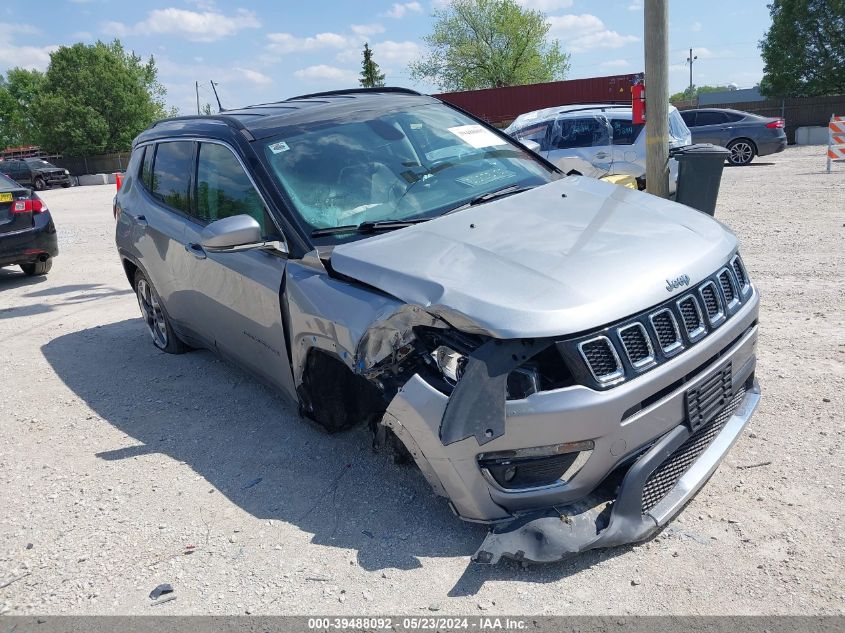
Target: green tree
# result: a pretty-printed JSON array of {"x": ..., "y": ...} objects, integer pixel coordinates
[
  {"x": 489, "y": 43},
  {"x": 96, "y": 98},
  {"x": 687, "y": 94},
  {"x": 804, "y": 49},
  {"x": 206, "y": 109},
  {"x": 18, "y": 91},
  {"x": 371, "y": 75}
]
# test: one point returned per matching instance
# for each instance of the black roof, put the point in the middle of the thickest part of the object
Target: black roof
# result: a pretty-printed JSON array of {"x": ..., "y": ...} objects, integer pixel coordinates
[{"x": 266, "y": 119}]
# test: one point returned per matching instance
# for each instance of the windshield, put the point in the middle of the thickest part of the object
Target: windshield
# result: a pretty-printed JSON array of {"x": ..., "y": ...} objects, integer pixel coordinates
[
  {"x": 38, "y": 162},
  {"x": 412, "y": 164}
]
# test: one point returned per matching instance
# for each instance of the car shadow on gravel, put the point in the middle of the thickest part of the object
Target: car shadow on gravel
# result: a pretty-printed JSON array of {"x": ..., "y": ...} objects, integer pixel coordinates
[
  {"x": 249, "y": 444},
  {"x": 16, "y": 279}
]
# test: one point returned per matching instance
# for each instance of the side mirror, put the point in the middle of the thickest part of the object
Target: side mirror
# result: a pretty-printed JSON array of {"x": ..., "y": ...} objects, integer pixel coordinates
[
  {"x": 236, "y": 233},
  {"x": 534, "y": 146}
]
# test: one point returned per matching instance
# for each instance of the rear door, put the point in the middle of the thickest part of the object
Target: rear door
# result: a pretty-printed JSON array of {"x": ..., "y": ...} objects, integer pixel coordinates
[
  {"x": 157, "y": 212},
  {"x": 581, "y": 144},
  {"x": 20, "y": 173},
  {"x": 627, "y": 159},
  {"x": 235, "y": 296},
  {"x": 711, "y": 126}
]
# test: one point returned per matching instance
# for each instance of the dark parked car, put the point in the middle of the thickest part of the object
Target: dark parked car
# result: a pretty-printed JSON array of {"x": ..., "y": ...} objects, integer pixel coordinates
[
  {"x": 35, "y": 173},
  {"x": 27, "y": 232},
  {"x": 746, "y": 135}
]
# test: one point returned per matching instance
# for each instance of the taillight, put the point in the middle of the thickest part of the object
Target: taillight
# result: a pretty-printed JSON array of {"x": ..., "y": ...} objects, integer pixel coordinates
[
  {"x": 28, "y": 206},
  {"x": 776, "y": 124}
]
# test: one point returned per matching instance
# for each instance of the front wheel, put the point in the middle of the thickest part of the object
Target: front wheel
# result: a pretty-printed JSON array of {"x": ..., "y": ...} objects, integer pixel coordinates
[
  {"x": 37, "y": 268},
  {"x": 39, "y": 185},
  {"x": 742, "y": 152},
  {"x": 155, "y": 318}
]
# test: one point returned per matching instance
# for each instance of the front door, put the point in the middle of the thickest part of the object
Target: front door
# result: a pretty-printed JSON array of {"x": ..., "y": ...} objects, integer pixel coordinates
[{"x": 236, "y": 295}]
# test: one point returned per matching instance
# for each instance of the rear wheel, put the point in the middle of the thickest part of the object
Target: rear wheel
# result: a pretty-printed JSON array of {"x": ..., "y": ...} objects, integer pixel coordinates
[
  {"x": 742, "y": 152},
  {"x": 155, "y": 318},
  {"x": 38, "y": 183},
  {"x": 38, "y": 268}
]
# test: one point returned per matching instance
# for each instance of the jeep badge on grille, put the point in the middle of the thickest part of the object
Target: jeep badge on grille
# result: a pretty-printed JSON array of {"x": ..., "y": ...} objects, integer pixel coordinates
[{"x": 676, "y": 283}]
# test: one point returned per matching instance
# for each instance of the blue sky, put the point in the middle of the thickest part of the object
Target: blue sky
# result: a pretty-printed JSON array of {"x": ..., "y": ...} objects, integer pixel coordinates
[{"x": 262, "y": 51}]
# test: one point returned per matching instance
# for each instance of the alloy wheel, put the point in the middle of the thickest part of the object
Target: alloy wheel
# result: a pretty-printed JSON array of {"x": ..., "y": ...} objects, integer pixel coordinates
[
  {"x": 741, "y": 153},
  {"x": 152, "y": 313}
]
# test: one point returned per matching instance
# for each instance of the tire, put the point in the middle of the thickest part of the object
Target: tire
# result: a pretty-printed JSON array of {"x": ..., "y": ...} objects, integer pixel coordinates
[
  {"x": 155, "y": 317},
  {"x": 37, "y": 268},
  {"x": 39, "y": 185},
  {"x": 65, "y": 185},
  {"x": 742, "y": 152}
]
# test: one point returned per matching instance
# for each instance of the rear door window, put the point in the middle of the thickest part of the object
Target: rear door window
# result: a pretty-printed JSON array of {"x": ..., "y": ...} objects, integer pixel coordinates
[
  {"x": 171, "y": 174},
  {"x": 710, "y": 118},
  {"x": 733, "y": 117},
  {"x": 624, "y": 131},
  {"x": 689, "y": 118},
  {"x": 224, "y": 189}
]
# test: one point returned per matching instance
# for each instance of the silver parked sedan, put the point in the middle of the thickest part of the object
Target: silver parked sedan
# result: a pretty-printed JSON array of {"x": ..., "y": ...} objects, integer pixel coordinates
[{"x": 565, "y": 360}]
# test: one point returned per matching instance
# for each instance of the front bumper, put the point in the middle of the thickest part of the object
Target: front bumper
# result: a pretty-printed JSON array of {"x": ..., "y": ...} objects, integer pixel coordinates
[
  {"x": 627, "y": 449},
  {"x": 27, "y": 246}
]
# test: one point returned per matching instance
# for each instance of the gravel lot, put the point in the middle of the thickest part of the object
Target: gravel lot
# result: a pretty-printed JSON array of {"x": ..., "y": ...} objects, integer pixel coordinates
[{"x": 114, "y": 458}]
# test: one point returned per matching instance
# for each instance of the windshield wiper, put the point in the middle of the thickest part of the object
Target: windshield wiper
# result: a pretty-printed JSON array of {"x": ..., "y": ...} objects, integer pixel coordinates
[
  {"x": 367, "y": 227},
  {"x": 490, "y": 195}
]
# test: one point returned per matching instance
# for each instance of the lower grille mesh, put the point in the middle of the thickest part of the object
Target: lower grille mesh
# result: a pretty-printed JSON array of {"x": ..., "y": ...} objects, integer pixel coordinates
[{"x": 669, "y": 472}]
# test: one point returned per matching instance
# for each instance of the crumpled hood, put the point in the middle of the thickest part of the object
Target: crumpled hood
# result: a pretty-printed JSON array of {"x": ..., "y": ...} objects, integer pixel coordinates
[{"x": 558, "y": 259}]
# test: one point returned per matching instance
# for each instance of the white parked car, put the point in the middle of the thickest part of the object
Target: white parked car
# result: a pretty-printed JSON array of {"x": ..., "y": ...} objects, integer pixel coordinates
[{"x": 595, "y": 139}]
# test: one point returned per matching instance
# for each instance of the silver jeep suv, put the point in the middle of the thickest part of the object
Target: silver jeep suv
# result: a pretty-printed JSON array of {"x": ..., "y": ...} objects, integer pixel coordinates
[{"x": 565, "y": 360}]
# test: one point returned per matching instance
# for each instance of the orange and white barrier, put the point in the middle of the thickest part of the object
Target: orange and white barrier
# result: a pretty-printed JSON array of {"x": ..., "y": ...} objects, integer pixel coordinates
[{"x": 836, "y": 140}]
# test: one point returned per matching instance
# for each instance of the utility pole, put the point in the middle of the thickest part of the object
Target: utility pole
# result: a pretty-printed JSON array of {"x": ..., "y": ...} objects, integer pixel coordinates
[
  {"x": 690, "y": 60},
  {"x": 655, "y": 27},
  {"x": 197, "y": 87}
]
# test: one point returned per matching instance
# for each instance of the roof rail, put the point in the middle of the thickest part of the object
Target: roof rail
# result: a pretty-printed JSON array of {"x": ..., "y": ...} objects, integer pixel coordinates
[
  {"x": 230, "y": 121},
  {"x": 332, "y": 93}
]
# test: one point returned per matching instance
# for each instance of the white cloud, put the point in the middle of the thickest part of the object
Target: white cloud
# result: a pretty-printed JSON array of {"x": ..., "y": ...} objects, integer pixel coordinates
[
  {"x": 366, "y": 30},
  {"x": 14, "y": 54},
  {"x": 545, "y": 5},
  {"x": 636, "y": 5},
  {"x": 323, "y": 72},
  {"x": 284, "y": 43},
  {"x": 206, "y": 26},
  {"x": 579, "y": 33},
  {"x": 255, "y": 77},
  {"x": 616, "y": 63},
  {"x": 396, "y": 52},
  {"x": 696, "y": 26},
  {"x": 401, "y": 9}
]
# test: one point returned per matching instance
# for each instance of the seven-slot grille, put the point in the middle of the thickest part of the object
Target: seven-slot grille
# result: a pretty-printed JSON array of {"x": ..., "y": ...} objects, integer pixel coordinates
[
  {"x": 691, "y": 314},
  {"x": 712, "y": 301},
  {"x": 637, "y": 345},
  {"x": 602, "y": 359},
  {"x": 666, "y": 329},
  {"x": 666, "y": 476},
  {"x": 648, "y": 339},
  {"x": 727, "y": 285}
]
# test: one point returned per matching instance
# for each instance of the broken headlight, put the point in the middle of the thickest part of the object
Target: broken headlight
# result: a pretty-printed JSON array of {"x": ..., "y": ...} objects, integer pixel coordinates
[
  {"x": 450, "y": 363},
  {"x": 537, "y": 466}
]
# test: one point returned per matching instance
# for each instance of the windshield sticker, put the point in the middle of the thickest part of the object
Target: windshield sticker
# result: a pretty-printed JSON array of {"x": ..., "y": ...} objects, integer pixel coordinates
[
  {"x": 278, "y": 148},
  {"x": 477, "y": 136}
]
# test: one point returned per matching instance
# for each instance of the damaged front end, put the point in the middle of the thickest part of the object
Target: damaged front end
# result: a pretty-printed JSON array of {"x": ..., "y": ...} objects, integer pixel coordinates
[{"x": 541, "y": 438}]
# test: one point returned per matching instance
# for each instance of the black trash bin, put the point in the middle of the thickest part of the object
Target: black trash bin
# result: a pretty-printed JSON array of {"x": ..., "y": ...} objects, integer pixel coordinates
[{"x": 699, "y": 175}]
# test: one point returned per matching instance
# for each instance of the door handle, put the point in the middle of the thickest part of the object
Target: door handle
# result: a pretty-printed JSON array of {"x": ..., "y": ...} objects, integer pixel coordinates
[
  {"x": 601, "y": 155},
  {"x": 196, "y": 250},
  {"x": 142, "y": 221}
]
